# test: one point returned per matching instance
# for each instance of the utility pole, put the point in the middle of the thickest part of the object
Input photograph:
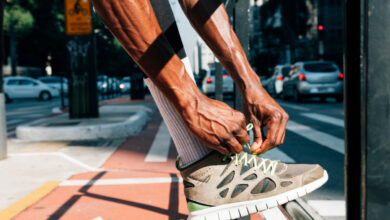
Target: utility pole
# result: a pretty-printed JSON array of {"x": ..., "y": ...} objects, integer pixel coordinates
[
  {"x": 83, "y": 100},
  {"x": 241, "y": 27},
  {"x": 3, "y": 122},
  {"x": 218, "y": 78}
]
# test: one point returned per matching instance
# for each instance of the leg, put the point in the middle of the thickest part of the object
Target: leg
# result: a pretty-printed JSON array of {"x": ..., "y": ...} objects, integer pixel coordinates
[{"x": 188, "y": 146}]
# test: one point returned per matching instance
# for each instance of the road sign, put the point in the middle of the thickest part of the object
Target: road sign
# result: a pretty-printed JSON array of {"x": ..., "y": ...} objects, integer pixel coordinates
[{"x": 78, "y": 17}]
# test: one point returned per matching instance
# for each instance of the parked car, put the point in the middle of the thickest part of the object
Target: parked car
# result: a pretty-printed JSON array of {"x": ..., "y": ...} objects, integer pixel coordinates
[
  {"x": 55, "y": 83},
  {"x": 274, "y": 84},
  {"x": 125, "y": 84},
  {"x": 314, "y": 79},
  {"x": 102, "y": 84},
  {"x": 208, "y": 84},
  {"x": 26, "y": 87}
]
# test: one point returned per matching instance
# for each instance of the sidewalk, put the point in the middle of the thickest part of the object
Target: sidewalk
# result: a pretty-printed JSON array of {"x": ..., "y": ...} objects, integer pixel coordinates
[{"x": 95, "y": 179}]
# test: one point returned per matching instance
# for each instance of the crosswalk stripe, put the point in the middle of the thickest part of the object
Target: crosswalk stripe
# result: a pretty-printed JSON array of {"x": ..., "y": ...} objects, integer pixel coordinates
[
  {"x": 159, "y": 150},
  {"x": 277, "y": 154},
  {"x": 325, "y": 118},
  {"x": 328, "y": 207},
  {"x": 332, "y": 142},
  {"x": 300, "y": 108},
  {"x": 14, "y": 121}
]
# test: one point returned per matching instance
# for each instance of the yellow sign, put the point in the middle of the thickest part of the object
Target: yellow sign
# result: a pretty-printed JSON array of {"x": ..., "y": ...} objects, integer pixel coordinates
[{"x": 78, "y": 17}]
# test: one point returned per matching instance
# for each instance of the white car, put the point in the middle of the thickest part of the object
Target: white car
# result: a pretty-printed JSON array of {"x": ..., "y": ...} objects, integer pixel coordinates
[
  {"x": 55, "y": 82},
  {"x": 208, "y": 84},
  {"x": 18, "y": 87},
  {"x": 125, "y": 84}
]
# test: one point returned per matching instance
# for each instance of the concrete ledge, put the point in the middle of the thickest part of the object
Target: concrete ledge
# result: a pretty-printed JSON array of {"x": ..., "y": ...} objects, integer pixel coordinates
[{"x": 88, "y": 129}]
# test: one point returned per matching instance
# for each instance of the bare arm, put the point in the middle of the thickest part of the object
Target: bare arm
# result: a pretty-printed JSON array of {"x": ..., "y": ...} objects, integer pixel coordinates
[
  {"x": 135, "y": 26},
  {"x": 211, "y": 21}
]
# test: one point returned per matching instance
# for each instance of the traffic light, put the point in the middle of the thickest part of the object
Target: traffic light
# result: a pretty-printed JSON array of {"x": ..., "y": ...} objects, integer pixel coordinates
[{"x": 320, "y": 27}]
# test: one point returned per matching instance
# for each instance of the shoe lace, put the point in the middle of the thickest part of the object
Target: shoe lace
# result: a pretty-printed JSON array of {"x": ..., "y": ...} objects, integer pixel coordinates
[{"x": 267, "y": 166}]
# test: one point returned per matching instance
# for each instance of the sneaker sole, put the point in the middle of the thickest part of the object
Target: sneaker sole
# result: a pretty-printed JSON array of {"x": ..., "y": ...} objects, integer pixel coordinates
[{"x": 240, "y": 209}]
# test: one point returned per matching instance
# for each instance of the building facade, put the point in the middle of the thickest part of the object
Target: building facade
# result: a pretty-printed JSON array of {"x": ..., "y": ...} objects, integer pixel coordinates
[{"x": 286, "y": 31}]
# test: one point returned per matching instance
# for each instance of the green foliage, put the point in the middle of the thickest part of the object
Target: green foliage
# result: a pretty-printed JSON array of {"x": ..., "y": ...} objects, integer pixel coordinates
[
  {"x": 18, "y": 16},
  {"x": 40, "y": 27}
]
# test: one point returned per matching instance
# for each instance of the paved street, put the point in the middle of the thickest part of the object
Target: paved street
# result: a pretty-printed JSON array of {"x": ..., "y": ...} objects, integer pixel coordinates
[
  {"x": 22, "y": 111},
  {"x": 123, "y": 185},
  {"x": 315, "y": 134}
]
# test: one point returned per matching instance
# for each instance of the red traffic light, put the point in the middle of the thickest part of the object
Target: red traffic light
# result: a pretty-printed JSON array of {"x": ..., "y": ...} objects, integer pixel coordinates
[{"x": 320, "y": 27}]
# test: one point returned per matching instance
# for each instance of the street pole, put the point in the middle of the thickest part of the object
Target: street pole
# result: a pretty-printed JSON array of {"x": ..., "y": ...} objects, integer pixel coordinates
[
  {"x": 12, "y": 43},
  {"x": 367, "y": 120},
  {"x": 218, "y": 77},
  {"x": 3, "y": 122},
  {"x": 83, "y": 101},
  {"x": 241, "y": 27}
]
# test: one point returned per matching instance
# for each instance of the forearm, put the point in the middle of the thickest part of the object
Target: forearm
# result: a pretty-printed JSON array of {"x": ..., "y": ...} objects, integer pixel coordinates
[
  {"x": 135, "y": 26},
  {"x": 212, "y": 23}
]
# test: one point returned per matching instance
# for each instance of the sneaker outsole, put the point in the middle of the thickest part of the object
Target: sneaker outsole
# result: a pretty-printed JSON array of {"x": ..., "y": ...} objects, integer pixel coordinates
[{"x": 241, "y": 209}]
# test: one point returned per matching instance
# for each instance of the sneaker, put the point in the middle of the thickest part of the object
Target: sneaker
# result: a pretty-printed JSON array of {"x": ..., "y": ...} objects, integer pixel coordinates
[{"x": 230, "y": 187}]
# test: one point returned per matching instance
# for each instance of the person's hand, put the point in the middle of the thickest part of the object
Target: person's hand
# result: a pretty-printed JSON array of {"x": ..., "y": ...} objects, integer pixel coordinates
[
  {"x": 217, "y": 125},
  {"x": 262, "y": 110}
]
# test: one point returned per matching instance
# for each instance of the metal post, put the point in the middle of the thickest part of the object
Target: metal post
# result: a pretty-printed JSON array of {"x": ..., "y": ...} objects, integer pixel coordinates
[
  {"x": 366, "y": 108},
  {"x": 354, "y": 136},
  {"x": 3, "y": 122},
  {"x": 376, "y": 101},
  {"x": 62, "y": 92},
  {"x": 218, "y": 81},
  {"x": 241, "y": 27}
]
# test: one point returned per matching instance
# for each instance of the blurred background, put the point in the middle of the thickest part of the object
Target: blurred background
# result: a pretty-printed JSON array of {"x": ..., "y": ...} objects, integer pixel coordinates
[{"x": 295, "y": 46}]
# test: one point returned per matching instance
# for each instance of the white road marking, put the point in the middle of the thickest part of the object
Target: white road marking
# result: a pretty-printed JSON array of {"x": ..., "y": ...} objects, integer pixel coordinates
[
  {"x": 328, "y": 207},
  {"x": 81, "y": 164},
  {"x": 14, "y": 121},
  {"x": 273, "y": 214},
  {"x": 277, "y": 154},
  {"x": 58, "y": 154},
  {"x": 332, "y": 142},
  {"x": 122, "y": 181},
  {"x": 159, "y": 150},
  {"x": 325, "y": 118},
  {"x": 98, "y": 218},
  {"x": 296, "y": 107}
]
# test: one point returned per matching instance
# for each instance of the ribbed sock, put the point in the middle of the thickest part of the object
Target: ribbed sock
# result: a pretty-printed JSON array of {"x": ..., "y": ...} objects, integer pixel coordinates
[{"x": 189, "y": 147}]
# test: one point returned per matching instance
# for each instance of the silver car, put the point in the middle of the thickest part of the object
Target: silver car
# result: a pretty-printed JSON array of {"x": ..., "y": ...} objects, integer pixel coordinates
[
  {"x": 274, "y": 84},
  {"x": 208, "y": 84},
  {"x": 314, "y": 79}
]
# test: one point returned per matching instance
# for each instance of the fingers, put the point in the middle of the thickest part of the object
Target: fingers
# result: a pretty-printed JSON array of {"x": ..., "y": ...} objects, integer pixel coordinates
[
  {"x": 242, "y": 135},
  {"x": 257, "y": 135},
  {"x": 275, "y": 134},
  {"x": 222, "y": 150},
  {"x": 234, "y": 145},
  {"x": 270, "y": 140},
  {"x": 282, "y": 130}
]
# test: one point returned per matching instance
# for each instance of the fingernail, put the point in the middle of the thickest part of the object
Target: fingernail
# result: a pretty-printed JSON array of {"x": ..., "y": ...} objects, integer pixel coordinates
[{"x": 255, "y": 146}]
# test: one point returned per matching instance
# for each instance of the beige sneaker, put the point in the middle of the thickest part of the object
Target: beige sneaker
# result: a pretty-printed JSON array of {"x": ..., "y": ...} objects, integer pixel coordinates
[{"x": 229, "y": 187}]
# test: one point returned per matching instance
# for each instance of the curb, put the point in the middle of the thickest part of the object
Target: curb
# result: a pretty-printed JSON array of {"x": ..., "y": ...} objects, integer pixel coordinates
[{"x": 131, "y": 126}]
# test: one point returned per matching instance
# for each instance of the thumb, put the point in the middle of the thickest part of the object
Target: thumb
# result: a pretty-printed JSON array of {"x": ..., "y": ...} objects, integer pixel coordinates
[{"x": 257, "y": 136}]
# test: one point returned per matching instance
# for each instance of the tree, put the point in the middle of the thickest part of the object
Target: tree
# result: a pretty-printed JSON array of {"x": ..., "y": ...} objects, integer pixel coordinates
[{"x": 17, "y": 21}]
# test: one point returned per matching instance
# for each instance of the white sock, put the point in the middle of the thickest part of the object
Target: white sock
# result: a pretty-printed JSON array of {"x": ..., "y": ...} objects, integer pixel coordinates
[{"x": 189, "y": 147}]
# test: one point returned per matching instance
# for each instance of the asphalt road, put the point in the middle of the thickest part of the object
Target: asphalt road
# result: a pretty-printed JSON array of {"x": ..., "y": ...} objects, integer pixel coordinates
[{"x": 23, "y": 111}]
